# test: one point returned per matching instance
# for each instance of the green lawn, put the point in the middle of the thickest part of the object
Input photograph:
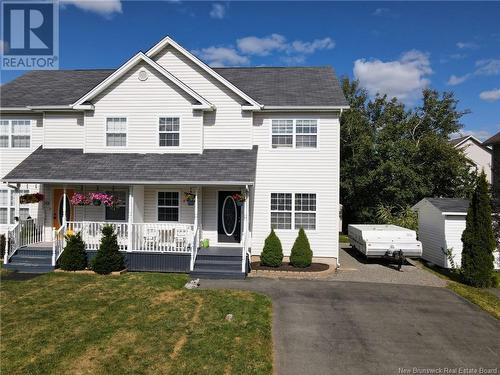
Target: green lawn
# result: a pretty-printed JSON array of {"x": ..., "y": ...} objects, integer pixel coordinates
[
  {"x": 343, "y": 238},
  {"x": 481, "y": 297},
  {"x": 137, "y": 323}
]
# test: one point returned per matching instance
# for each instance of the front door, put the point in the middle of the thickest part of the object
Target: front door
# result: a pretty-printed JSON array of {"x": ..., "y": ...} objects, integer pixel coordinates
[
  {"x": 57, "y": 207},
  {"x": 229, "y": 218}
]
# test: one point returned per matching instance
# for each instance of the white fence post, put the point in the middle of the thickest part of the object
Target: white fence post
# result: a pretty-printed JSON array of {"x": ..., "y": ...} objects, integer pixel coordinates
[{"x": 54, "y": 233}]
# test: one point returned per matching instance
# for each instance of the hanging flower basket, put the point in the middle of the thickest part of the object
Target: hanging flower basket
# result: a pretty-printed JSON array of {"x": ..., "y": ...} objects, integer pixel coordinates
[
  {"x": 31, "y": 198},
  {"x": 239, "y": 198},
  {"x": 189, "y": 198},
  {"x": 94, "y": 199}
]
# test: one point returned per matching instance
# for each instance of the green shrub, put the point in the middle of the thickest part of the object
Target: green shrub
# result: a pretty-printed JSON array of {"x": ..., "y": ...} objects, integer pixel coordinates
[
  {"x": 74, "y": 257},
  {"x": 272, "y": 254},
  {"x": 301, "y": 255},
  {"x": 108, "y": 258},
  {"x": 3, "y": 243},
  {"x": 478, "y": 239},
  {"x": 404, "y": 217}
]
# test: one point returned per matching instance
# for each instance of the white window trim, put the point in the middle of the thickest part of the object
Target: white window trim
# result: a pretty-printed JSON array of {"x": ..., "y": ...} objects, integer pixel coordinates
[
  {"x": 11, "y": 134},
  {"x": 294, "y": 134},
  {"x": 158, "y": 131},
  {"x": 126, "y": 207},
  {"x": 293, "y": 211},
  {"x": 106, "y": 117},
  {"x": 10, "y": 206},
  {"x": 157, "y": 206}
]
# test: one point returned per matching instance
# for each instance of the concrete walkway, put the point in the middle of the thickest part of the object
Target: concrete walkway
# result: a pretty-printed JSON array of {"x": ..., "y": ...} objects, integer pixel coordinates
[{"x": 329, "y": 327}]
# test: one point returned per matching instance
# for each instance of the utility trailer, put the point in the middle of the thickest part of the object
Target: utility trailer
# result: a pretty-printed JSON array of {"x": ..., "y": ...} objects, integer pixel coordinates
[{"x": 383, "y": 241}]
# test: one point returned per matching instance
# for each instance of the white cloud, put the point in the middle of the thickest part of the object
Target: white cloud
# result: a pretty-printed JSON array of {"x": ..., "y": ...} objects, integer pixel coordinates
[
  {"x": 485, "y": 67},
  {"x": 253, "y": 45},
  {"x": 403, "y": 78},
  {"x": 491, "y": 95},
  {"x": 218, "y": 11},
  {"x": 488, "y": 67},
  {"x": 221, "y": 56},
  {"x": 467, "y": 45},
  {"x": 384, "y": 12},
  {"x": 103, "y": 7},
  {"x": 311, "y": 47},
  {"x": 456, "y": 80}
]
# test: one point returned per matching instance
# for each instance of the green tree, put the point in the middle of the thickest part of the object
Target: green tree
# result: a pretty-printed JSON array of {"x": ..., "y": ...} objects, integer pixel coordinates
[
  {"x": 478, "y": 239},
  {"x": 272, "y": 254},
  {"x": 108, "y": 258},
  {"x": 74, "y": 257},
  {"x": 301, "y": 255},
  {"x": 392, "y": 156}
]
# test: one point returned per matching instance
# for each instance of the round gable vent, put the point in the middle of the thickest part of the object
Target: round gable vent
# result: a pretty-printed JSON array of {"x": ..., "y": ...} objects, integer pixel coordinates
[{"x": 143, "y": 75}]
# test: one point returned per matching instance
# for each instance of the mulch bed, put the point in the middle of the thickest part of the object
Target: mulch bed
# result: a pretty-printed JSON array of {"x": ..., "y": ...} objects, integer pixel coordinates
[{"x": 314, "y": 267}]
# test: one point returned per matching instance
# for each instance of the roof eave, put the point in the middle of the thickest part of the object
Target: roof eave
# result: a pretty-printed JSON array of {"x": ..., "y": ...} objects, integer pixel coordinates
[
  {"x": 114, "y": 182},
  {"x": 306, "y": 108}
]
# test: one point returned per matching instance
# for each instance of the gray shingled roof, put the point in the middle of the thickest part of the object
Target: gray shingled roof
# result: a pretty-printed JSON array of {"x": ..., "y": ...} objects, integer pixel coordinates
[
  {"x": 493, "y": 140},
  {"x": 297, "y": 86},
  {"x": 301, "y": 86},
  {"x": 456, "y": 141},
  {"x": 74, "y": 166},
  {"x": 450, "y": 204},
  {"x": 50, "y": 87}
]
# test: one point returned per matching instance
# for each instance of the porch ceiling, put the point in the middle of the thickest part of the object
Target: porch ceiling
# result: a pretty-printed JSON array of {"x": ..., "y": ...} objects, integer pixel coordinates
[{"x": 75, "y": 166}]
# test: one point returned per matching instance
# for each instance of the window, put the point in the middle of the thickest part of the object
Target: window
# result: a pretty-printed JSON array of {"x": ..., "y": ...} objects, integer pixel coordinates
[
  {"x": 116, "y": 132},
  {"x": 281, "y": 210},
  {"x": 294, "y": 133},
  {"x": 303, "y": 212},
  {"x": 119, "y": 212},
  {"x": 282, "y": 133},
  {"x": 169, "y": 128},
  {"x": 7, "y": 204},
  {"x": 4, "y": 206},
  {"x": 168, "y": 206},
  {"x": 306, "y": 133},
  {"x": 15, "y": 133}
]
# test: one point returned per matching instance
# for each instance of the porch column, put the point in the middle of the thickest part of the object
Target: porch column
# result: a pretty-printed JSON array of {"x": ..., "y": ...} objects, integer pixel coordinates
[
  {"x": 130, "y": 218},
  {"x": 16, "y": 203},
  {"x": 196, "y": 208},
  {"x": 246, "y": 209},
  {"x": 64, "y": 221}
]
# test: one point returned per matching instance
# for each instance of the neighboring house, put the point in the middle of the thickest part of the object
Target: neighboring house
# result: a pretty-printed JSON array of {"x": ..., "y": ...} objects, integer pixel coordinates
[
  {"x": 161, "y": 125},
  {"x": 476, "y": 152},
  {"x": 441, "y": 222},
  {"x": 494, "y": 142}
]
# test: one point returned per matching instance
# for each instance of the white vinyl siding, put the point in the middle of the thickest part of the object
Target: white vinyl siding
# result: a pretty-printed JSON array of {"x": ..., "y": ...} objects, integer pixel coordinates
[
  {"x": 169, "y": 131},
  {"x": 63, "y": 130},
  {"x": 291, "y": 133},
  {"x": 116, "y": 131},
  {"x": 143, "y": 103},
  {"x": 226, "y": 127},
  {"x": 298, "y": 171},
  {"x": 15, "y": 133}
]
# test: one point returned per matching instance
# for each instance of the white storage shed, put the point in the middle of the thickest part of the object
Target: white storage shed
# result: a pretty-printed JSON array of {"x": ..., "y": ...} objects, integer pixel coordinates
[{"x": 441, "y": 222}]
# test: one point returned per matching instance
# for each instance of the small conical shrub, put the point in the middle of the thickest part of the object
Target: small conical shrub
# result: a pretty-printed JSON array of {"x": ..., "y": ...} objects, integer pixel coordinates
[
  {"x": 301, "y": 255},
  {"x": 74, "y": 257},
  {"x": 108, "y": 258},
  {"x": 478, "y": 239},
  {"x": 272, "y": 254}
]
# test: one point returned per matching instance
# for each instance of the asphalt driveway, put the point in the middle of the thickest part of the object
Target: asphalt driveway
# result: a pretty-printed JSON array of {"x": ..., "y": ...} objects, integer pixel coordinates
[{"x": 336, "y": 327}]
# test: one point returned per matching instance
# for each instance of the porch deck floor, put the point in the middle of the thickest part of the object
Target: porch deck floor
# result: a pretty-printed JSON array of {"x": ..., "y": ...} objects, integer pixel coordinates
[
  {"x": 217, "y": 250},
  {"x": 40, "y": 245}
]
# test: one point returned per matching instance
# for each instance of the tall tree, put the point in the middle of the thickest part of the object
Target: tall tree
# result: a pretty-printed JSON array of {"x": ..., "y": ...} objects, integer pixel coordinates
[
  {"x": 392, "y": 156},
  {"x": 478, "y": 239}
]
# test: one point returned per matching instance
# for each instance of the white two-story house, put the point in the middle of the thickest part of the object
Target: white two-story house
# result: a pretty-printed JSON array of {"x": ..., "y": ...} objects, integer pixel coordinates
[{"x": 175, "y": 141}]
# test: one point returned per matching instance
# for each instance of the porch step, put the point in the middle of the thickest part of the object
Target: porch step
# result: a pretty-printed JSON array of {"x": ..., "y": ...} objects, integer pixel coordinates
[
  {"x": 218, "y": 263},
  {"x": 230, "y": 264},
  {"x": 31, "y": 260}
]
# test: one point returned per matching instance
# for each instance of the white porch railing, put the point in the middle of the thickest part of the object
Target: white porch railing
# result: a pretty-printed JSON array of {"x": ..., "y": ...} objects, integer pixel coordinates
[
  {"x": 194, "y": 246},
  {"x": 143, "y": 237},
  {"x": 24, "y": 233},
  {"x": 58, "y": 242}
]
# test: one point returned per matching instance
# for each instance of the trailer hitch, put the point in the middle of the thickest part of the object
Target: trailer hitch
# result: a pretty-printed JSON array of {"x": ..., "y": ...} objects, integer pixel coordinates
[{"x": 398, "y": 256}]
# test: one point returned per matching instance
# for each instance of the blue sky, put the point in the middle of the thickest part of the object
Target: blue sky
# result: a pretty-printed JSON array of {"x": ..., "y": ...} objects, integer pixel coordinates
[{"x": 393, "y": 47}]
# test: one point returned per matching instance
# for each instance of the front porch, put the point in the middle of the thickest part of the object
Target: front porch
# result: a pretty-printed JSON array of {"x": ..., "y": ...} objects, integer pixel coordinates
[{"x": 147, "y": 246}]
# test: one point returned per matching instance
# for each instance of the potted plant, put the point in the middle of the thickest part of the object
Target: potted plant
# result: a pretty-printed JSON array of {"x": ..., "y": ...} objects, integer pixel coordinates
[
  {"x": 189, "y": 198},
  {"x": 205, "y": 243},
  {"x": 239, "y": 198},
  {"x": 97, "y": 199},
  {"x": 31, "y": 198},
  {"x": 78, "y": 199}
]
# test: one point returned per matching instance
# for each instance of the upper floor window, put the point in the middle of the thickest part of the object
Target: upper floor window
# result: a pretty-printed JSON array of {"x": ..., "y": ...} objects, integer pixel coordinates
[
  {"x": 116, "y": 131},
  {"x": 294, "y": 133},
  {"x": 15, "y": 133},
  {"x": 169, "y": 130}
]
